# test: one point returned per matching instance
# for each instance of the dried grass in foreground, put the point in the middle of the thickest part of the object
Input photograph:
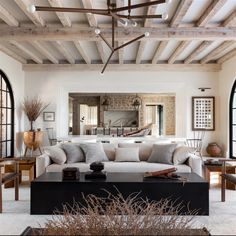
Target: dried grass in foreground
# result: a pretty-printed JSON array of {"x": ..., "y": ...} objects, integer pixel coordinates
[{"x": 130, "y": 216}]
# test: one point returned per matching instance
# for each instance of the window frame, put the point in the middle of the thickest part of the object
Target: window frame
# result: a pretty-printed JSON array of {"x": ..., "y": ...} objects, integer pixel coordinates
[{"x": 8, "y": 91}]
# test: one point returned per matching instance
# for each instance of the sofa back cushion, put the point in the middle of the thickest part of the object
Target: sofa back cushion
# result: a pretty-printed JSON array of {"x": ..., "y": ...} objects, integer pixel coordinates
[
  {"x": 127, "y": 154},
  {"x": 56, "y": 154},
  {"x": 73, "y": 152},
  {"x": 94, "y": 152},
  {"x": 145, "y": 149},
  {"x": 181, "y": 154},
  {"x": 162, "y": 153},
  {"x": 110, "y": 150}
]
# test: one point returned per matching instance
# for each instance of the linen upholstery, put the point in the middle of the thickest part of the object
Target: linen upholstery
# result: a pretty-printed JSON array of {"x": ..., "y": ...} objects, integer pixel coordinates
[
  {"x": 73, "y": 152},
  {"x": 127, "y": 154},
  {"x": 181, "y": 154},
  {"x": 56, "y": 154},
  {"x": 110, "y": 150}
]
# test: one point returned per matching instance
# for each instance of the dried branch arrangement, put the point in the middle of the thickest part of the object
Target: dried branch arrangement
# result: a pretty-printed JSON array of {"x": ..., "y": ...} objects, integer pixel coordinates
[
  {"x": 33, "y": 108},
  {"x": 119, "y": 216}
]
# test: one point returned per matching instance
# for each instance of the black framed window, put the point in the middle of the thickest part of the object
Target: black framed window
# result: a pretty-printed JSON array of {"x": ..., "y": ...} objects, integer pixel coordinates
[
  {"x": 6, "y": 117},
  {"x": 232, "y": 122}
]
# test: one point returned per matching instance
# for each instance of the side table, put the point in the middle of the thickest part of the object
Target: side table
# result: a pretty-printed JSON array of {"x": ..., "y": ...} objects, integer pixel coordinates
[
  {"x": 217, "y": 167},
  {"x": 25, "y": 164}
]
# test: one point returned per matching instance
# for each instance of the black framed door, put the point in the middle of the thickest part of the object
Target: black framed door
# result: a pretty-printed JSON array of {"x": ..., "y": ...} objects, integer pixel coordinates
[{"x": 6, "y": 117}]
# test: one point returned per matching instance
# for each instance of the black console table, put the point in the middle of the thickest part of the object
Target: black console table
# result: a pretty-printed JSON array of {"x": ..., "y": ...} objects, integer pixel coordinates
[{"x": 49, "y": 192}]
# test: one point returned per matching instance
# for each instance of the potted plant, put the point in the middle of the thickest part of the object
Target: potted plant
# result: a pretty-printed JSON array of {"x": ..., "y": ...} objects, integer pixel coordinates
[{"x": 33, "y": 108}]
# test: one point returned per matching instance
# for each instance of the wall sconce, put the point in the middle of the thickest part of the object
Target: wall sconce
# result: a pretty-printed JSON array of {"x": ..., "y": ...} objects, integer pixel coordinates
[
  {"x": 137, "y": 102},
  {"x": 203, "y": 89},
  {"x": 106, "y": 103}
]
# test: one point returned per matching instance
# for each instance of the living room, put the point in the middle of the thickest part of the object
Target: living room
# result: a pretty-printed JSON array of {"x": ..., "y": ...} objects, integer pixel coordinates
[{"x": 54, "y": 54}]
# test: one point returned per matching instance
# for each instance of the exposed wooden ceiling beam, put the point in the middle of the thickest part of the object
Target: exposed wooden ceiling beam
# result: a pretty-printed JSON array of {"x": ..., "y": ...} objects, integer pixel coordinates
[
  {"x": 82, "y": 52},
  {"x": 231, "y": 20},
  {"x": 161, "y": 47},
  {"x": 125, "y": 67},
  {"x": 8, "y": 17},
  {"x": 93, "y": 22},
  {"x": 63, "y": 17},
  {"x": 34, "y": 17},
  {"x": 141, "y": 48},
  {"x": 227, "y": 56},
  {"x": 214, "y": 7},
  {"x": 181, "y": 11},
  {"x": 61, "y": 48},
  {"x": 178, "y": 51},
  {"x": 87, "y": 33},
  {"x": 28, "y": 52},
  {"x": 150, "y": 11},
  {"x": 197, "y": 51},
  {"x": 121, "y": 53},
  {"x": 12, "y": 54},
  {"x": 214, "y": 53},
  {"x": 37, "y": 45}
]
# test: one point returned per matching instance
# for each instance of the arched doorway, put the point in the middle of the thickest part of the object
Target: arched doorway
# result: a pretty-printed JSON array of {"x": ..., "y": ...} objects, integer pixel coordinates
[
  {"x": 232, "y": 122},
  {"x": 6, "y": 117}
]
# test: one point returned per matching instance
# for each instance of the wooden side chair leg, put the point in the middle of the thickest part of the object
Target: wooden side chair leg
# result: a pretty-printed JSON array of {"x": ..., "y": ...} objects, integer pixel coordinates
[
  {"x": 223, "y": 183},
  {"x": 16, "y": 184},
  {"x": 0, "y": 197}
]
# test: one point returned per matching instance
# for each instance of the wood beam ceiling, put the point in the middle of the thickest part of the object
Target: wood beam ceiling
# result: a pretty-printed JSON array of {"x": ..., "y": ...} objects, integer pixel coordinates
[
  {"x": 8, "y": 17},
  {"x": 12, "y": 54},
  {"x": 93, "y": 23},
  {"x": 82, "y": 52},
  {"x": 34, "y": 17},
  {"x": 87, "y": 33},
  {"x": 231, "y": 20},
  {"x": 125, "y": 67},
  {"x": 227, "y": 56},
  {"x": 63, "y": 17},
  {"x": 181, "y": 11},
  {"x": 161, "y": 47},
  {"x": 62, "y": 49},
  {"x": 214, "y": 7}
]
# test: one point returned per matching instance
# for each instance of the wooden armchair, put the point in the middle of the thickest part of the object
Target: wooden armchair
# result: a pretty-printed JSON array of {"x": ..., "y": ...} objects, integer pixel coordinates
[
  {"x": 225, "y": 176},
  {"x": 7, "y": 177}
]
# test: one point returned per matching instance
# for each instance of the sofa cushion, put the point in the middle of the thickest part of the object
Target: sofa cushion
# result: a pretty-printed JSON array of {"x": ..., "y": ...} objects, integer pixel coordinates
[
  {"x": 56, "y": 154},
  {"x": 128, "y": 167},
  {"x": 73, "y": 152},
  {"x": 181, "y": 154},
  {"x": 127, "y": 154},
  {"x": 110, "y": 150},
  {"x": 162, "y": 153},
  {"x": 93, "y": 152},
  {"x": 145, "y": 149}
]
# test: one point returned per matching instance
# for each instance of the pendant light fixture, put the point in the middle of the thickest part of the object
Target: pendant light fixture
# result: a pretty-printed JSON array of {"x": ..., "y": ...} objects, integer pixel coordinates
[{"x": 137, "y": 102}]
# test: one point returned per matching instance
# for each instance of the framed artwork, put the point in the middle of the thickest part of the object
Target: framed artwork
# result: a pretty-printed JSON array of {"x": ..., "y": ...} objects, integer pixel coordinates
[
  {"x": 203, "y": 113},
  {"x": 48, "y": 116}
]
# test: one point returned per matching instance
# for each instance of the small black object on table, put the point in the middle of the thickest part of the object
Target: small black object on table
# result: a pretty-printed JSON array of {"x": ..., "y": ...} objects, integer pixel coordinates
[{"x": 97, "y": 172}]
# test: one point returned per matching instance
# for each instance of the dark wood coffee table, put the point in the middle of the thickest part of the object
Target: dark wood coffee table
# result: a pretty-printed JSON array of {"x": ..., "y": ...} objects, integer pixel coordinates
[{"x": 49, "y": 192}]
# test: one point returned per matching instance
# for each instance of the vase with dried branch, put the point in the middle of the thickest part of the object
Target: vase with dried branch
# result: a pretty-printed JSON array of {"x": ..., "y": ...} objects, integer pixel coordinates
[{"x": 33, "y": 108}]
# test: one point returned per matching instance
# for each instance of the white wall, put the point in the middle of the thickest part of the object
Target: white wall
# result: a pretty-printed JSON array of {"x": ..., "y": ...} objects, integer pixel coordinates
[
  {"x": 54, "y": 87},
  {"x": 15, "y": 74},
  {"x": 227, "y": 77}
]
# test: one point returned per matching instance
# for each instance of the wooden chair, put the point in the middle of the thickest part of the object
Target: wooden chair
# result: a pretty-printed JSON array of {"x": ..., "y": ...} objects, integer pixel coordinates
[
  {"x": 7, "y": 177},
  {"x": 226, "y": 177},
  {"x": 52, "y": 141}
]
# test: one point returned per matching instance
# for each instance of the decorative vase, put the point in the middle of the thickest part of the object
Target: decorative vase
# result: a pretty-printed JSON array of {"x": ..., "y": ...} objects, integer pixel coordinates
[
  {"x": 33, "y": 140},
  {"x": 214, "y": 150}
]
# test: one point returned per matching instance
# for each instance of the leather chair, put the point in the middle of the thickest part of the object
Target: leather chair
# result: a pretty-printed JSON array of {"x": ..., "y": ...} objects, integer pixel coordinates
[
  {"x": 226, "y": 177},
  {"x": 7, "y": 177}
]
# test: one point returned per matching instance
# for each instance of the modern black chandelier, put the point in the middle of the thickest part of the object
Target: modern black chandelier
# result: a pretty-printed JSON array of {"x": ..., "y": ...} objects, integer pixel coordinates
[{"x": 114, "y": 12}]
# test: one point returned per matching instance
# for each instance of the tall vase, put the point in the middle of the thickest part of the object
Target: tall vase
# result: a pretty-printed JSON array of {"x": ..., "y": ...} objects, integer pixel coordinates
[{"x": 214, "y": 150}]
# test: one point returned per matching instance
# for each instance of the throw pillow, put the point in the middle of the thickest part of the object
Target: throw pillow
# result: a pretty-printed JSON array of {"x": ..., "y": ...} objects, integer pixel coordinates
[
  {"x": 181, "y": 154},
  {"x": 56, "y": 154},
  {"x": 127, "y": 154},
  {"x": 73, "y": 152},
  {"x": 110, "y": 150},
  {"x": 162, "y": 153},
  {"x": 93, "y": 152}
]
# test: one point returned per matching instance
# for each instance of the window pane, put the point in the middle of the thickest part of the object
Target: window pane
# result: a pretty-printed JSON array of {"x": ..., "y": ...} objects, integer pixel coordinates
[
  {"x": 234, "y": 116},
  {"x": 3, "y": 116},
  {"x": 4, "y": 86},
  {"x": 8, "y": 149},
  {"x": 9, "y": 116},
  {"x": 8, "y": 132},
  {"x": 8, "y": 100},
  {"x": 3, "y": 132},
  {"x": 3, "y": 97},
  {"x": 234, "y": 149}
]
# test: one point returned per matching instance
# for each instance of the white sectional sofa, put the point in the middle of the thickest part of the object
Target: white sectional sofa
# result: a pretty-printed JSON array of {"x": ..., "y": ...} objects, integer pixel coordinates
[{"x": 193, "y": 163}]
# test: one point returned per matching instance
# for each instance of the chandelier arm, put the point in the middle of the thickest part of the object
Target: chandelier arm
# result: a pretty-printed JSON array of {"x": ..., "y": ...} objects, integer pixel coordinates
[
  {"x": 109, "y": 58},
  {"x": 105, "y": 41},
  {"x": 146, "y": 4},
  {"x": 68, "y": 9},
  {"x": 140, "y": 16},
  {"x": 129, "y": 42}
]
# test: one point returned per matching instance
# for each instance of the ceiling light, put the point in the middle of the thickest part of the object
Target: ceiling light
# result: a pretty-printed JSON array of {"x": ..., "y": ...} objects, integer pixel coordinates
[
  {"x": 97, "y": 31},
  {"x": 31, "y": 8},
  {"x": 164, "y": 16},
  {"x": 137, "y": 102},
  {"x": 147, "y": 34}
]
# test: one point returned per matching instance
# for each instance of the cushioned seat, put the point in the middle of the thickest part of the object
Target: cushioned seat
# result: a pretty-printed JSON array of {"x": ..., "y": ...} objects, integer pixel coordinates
[
  {"x": 9, "y": 176},
  {"x": 230, "y": 177}
]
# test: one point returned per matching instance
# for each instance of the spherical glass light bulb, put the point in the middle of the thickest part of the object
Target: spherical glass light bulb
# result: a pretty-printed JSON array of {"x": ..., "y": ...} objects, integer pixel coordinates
[
  {"x": 147, "y": 34},
  {"x": 164, "y": 16},
  {"x": 31, "y": 8},
  {"x": 134, "y": 24},
  {"x": 97, "y": 31}
]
